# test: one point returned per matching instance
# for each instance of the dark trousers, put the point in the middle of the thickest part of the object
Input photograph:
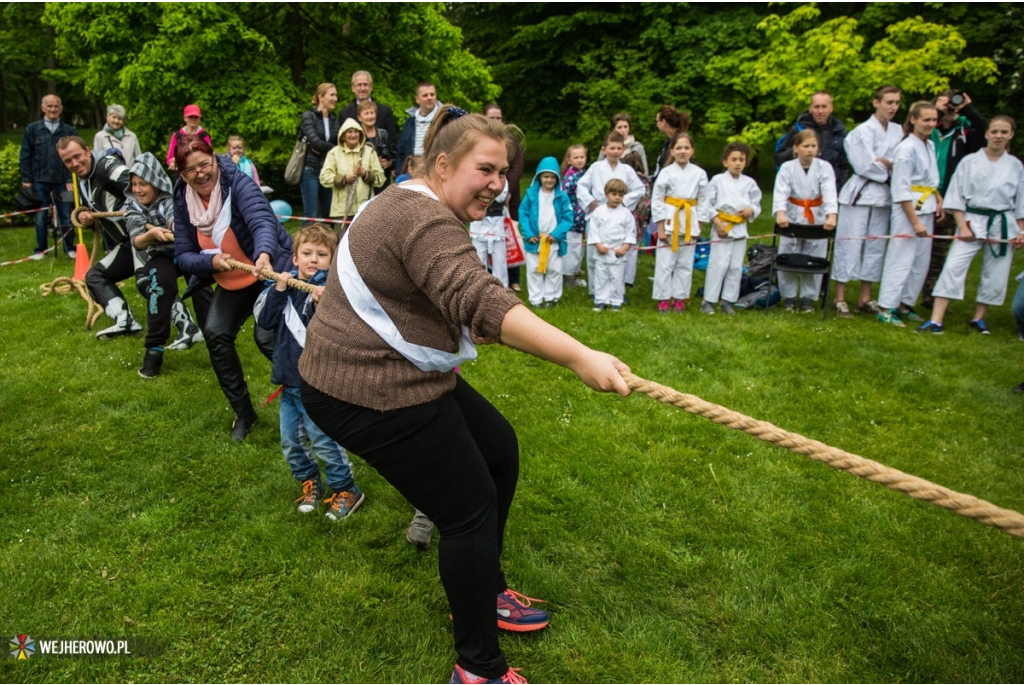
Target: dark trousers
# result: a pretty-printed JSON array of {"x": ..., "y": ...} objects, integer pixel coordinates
[
  {"x": 456, "y": 459},
  {"x": 229, "y": 310},
  {"x": 43, "y": 191},
  {"x": 116, "y": 265},
  {"x": 513, "y": 274},
  {"x": 161, "y": 291}
]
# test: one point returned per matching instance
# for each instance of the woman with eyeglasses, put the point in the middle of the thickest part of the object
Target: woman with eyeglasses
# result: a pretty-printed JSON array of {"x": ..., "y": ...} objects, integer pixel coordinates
[{"x": 220, "y": 214}]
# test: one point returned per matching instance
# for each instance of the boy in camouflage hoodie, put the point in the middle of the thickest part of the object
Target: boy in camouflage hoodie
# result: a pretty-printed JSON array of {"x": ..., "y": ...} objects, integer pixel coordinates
[{"x": 149, "y": 218}]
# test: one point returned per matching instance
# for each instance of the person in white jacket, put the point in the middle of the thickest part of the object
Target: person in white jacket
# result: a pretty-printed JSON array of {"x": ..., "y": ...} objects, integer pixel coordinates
[
  {"x": 590, "y": 189},
  {"x": 733, "y": 200},
  {"x": 675, "y": 201},
  {"x": 611, "y": 231},
  {"x": 986, "y": 199},
  {"x": 805, "y": 193},
  {"x": 488, "y": 236},
  {"x": 915, "y": 203},
  {"x": 864, "y": 202}
]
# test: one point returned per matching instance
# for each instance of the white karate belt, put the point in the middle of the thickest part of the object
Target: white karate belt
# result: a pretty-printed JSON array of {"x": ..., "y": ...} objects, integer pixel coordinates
[{"x": 369, "y": 310}]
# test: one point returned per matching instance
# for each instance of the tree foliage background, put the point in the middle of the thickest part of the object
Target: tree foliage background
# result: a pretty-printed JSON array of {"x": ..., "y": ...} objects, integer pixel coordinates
[{"x": 740, "y": 70}]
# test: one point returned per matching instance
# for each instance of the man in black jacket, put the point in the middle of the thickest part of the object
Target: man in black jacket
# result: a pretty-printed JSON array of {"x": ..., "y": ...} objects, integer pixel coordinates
[
  {"x": 960, "y": 131},
  {"x": 362, "y": 88},
  {"x": 829, "y": 130},
  {"x": 42, "y": 170},
  {"x": 103, "y": 180}
]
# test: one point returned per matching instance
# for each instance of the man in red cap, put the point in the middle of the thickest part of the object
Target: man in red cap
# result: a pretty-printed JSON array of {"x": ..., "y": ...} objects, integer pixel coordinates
[{"x": 192, "y": 115}]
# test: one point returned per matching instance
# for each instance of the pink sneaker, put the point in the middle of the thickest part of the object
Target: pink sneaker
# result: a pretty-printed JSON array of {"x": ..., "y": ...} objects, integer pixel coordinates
[
  {"x": 663, "y": 307},
  {"x": 459, "y": 675},
  {"x": 516, "y": 614},
  {"x": 680, "y": 306}
]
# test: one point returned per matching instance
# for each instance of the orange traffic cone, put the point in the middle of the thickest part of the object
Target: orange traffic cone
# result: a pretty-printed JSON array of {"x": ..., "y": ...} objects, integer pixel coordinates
[
  {"x": 81, "y": 258},
  {"x": 81, "y": 253}
]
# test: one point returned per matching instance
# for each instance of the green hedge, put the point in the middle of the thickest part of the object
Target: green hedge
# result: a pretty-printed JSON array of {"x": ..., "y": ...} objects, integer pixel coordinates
[{"x": 10, "y": 176}]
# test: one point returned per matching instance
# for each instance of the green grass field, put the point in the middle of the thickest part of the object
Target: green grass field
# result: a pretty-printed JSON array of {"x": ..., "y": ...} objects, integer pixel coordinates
[{"x": 670, "y": 549}]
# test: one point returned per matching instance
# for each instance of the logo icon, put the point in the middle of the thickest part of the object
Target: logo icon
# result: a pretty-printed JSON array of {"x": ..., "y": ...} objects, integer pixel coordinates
[{"x": 24, "y": 646}]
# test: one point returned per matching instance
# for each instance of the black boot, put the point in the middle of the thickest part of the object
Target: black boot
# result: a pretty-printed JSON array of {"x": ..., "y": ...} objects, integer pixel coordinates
[
  {"x": 245, "y": 418},
  {"x": 151, "y": 363},
  {"x": 1018, "y": 390}
]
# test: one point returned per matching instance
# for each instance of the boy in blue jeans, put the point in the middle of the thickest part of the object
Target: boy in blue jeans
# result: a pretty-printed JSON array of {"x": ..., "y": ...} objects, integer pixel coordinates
[{"x": 286, "y": 312}]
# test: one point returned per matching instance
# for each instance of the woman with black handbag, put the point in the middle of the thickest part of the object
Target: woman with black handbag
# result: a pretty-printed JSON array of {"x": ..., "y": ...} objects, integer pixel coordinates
[{"x": 319, "y": 128}]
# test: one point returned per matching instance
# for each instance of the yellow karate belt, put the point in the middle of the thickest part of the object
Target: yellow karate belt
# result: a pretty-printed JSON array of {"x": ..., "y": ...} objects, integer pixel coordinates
[
  {"x": 730, "y": 220},
  {"x": 687, "y": 203},
  {"x": 545, "y": 253},
  {"x": 807, "y": 204},
  {"x": 926, "y": 192}
]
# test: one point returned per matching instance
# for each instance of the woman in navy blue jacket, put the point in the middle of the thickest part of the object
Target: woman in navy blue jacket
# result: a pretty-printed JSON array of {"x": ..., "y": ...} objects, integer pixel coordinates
[{"x": 221, "y": 214}]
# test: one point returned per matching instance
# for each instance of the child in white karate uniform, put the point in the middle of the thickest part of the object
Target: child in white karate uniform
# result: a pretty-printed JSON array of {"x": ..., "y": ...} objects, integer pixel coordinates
[
  {"x": 611, "y": 231},
  {"x": 865, "y": 202},
  {"x": 733, "y": 200},
  {"x": 545, "y": 217},
  {"x": 678, "y": 190},
  {"x": 488, "y": 236},
  {"x": 572, "y": 171},
  {"x": 986, "y": 197},
  {"x": 805, "y": 193},
  {"x": 590, "y": 189},
  {"x": 915, "y": 202}
]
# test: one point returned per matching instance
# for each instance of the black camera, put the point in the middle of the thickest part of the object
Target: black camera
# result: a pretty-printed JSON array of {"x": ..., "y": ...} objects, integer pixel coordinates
[{"x": 956, "y": 99}]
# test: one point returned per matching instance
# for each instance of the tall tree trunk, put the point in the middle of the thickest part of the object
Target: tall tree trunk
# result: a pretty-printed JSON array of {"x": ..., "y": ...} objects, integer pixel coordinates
[
  {"x": 3, "y": 104},
  {"x": 298, "y": 51},
  {"x": 51, "y": 63}
]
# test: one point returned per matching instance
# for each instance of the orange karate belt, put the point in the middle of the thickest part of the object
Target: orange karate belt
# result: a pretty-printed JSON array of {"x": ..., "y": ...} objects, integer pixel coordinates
[
  {"x": 687, "y": 203},
  {"x": 807, "y": 204}
]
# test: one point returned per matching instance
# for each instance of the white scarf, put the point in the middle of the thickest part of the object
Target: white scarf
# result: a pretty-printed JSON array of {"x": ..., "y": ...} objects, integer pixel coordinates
[
  {"x": 214, "y": 220},
  {"x": 369, "y": 310}
]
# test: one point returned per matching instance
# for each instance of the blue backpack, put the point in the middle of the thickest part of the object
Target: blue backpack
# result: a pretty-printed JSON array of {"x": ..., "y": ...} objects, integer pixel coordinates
[{"x": 778, "y": 143}]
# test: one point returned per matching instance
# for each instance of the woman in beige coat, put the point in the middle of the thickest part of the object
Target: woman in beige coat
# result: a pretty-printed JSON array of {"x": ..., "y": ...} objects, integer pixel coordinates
[{"x": 352, "y": 169}]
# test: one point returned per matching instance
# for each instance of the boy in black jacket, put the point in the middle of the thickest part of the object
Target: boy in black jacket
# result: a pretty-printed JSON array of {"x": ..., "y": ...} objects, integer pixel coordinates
[{"x": 286, "y": 312}]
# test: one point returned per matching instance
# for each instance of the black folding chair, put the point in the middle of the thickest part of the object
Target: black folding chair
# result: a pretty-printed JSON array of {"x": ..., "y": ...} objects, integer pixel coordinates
[
  {"x": 56, "y": 196},
  {"x": 811, "y": 265}
]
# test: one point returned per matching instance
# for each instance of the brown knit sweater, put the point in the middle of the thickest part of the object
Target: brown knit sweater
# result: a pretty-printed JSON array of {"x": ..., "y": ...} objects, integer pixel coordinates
[{"x": 417, "y": 260}]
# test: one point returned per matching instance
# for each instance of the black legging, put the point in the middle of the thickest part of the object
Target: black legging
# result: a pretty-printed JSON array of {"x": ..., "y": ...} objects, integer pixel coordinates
[
  {"x": 160, "y": 288},
  {"x": 456, "y": 459},
  {"x": 229, "y": 310},
  {"x": 117, "y": 265}
]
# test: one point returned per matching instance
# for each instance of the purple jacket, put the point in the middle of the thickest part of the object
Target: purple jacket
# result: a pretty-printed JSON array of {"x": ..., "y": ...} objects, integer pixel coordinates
[{"x": 252, "y": 221}]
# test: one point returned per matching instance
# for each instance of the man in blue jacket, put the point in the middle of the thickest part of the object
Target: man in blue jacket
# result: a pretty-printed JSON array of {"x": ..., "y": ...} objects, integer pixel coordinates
[
  {"x": 42, "y": 170},
  {"x": 829, "y": 130},
  {"x": 421, "y": 116}
]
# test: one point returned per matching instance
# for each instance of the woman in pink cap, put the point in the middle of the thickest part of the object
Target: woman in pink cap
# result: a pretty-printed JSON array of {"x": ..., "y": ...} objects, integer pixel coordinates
[{"x": 192, "y": 115}]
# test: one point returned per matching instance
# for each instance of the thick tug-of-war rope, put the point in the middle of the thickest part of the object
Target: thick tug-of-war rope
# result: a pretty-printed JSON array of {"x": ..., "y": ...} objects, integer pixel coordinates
[
  {"x": 269, "y": 274},
  {"x": 63, "y": 285},
  {"x": 1006, "y": 520}
]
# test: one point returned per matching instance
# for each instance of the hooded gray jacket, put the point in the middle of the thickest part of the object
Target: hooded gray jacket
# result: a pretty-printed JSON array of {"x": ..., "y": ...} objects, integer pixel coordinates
[{"x": 160, "y": 212}]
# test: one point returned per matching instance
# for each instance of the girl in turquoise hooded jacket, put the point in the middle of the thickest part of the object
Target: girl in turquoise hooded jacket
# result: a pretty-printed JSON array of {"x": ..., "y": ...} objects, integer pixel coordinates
[{"x": 545, "y": 217}]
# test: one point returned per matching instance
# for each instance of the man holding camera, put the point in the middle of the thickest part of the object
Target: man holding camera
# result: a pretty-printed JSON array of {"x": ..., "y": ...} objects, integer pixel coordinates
[{"x": 960, "y": 131}]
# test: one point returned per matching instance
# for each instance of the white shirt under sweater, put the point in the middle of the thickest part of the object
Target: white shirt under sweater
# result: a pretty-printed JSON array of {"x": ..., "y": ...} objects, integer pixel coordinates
[
  {"x": 613, "y": 228},
  {"x": 684, "y": 182},
  {"x": 546, "y": 219},
  {"x": 422, "y": 124},
  {"x": 732, "y": 195},
  {"x": 793, "y": 181},
  {"x": 914, "y": 164},
  {"x": 591, "y": 185},
  {"x": 980, "y": 183},
  {"x": 864, "y": 145}
]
